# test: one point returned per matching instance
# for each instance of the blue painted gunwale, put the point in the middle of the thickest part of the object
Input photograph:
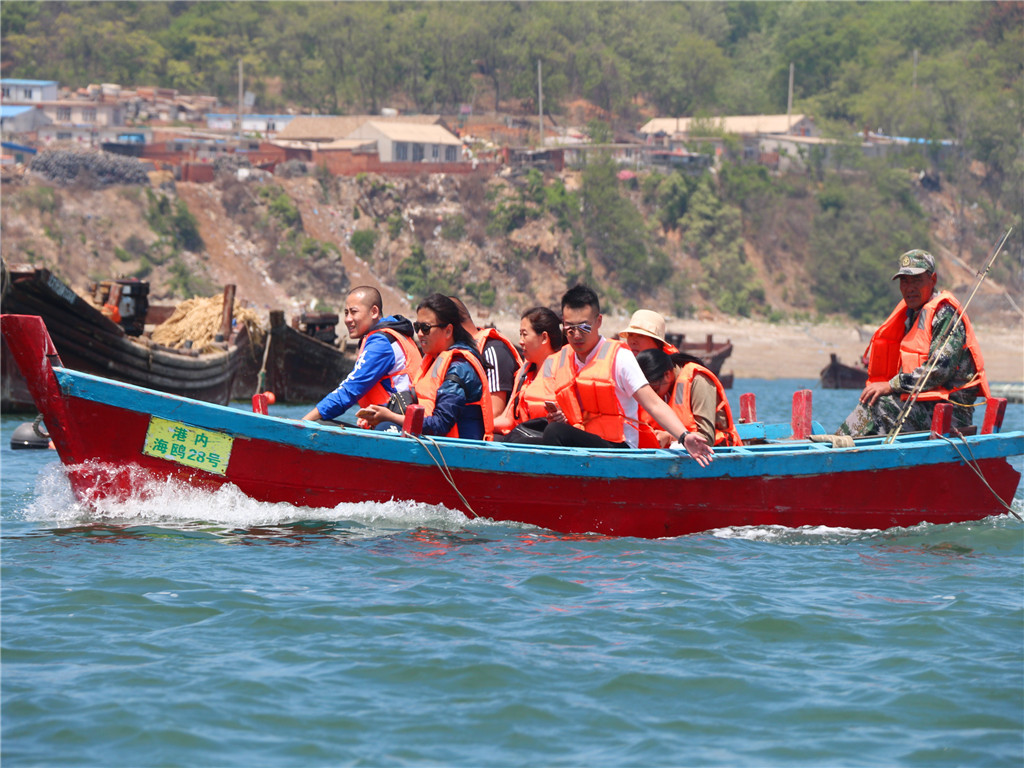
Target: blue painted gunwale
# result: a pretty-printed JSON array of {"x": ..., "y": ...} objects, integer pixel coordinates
[{"x": 774, "y": 459}]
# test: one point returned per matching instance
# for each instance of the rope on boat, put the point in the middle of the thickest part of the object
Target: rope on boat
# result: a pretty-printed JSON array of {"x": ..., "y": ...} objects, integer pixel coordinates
[
  {"x": 261, "y": 377},
  {"x": 919, "y": 387},
  {"x": 39, "y": 428},
  {"x": 445, "y": 472},
  {"x": 973, "y": 464}
]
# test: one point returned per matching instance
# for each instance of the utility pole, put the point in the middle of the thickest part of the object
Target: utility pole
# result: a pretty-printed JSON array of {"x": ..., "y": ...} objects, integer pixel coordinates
[
  {"x": 789, "y": 101},
  {"x": 239, "y": 102},
  {"x": 540, "y": 105},
  {"x": 915, "y": 69}
]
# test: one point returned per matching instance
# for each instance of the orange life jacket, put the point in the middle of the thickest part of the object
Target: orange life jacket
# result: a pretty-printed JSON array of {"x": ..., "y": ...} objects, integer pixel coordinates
[
  {"x": 431, "y": 375},
  {"x": 587, "y": 397},
  {"x": 482, "y": 335},
  {"x": 646, "y": 425},
  {"x": 679, "y": 401},
  {"x": 378, "y": 395},
  {"x": 529, "y": 392},
  {"x": 646, "y": 435},
  {"x": 892, "y": 351}
]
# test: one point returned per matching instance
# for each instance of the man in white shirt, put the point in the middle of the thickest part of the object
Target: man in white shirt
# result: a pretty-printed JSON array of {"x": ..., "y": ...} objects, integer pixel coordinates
[{"x": 598, "y": 384}]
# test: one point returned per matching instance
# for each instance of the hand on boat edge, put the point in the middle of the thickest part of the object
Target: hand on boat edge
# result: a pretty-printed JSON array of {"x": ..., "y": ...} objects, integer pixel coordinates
[
  {"x": 696, "y": 445},
  {"x": 372, "y": 415}
]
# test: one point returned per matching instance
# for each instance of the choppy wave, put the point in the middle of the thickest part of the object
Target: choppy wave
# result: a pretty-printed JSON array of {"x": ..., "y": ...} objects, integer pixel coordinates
[
  {"x": 174, "y": 505},
  {"x": 187, "y": 627},
  {"x": 169, "y": 502}
]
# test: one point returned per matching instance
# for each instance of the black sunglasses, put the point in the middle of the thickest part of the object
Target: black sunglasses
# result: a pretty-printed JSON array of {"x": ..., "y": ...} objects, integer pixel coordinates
[{"x": 424, "y": 328}]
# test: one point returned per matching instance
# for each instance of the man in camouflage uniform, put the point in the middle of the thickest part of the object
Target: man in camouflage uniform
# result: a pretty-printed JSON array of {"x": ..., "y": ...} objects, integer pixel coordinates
[{"x": 958, "y": 371}]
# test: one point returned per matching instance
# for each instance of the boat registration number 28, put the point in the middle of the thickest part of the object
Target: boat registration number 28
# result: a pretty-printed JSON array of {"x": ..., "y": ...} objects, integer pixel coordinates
[{"x": 191, "y": 446}]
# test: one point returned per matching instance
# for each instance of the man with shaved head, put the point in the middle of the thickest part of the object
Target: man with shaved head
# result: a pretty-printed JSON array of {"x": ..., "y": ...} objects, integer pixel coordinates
[{"x": 388, "y": 356}]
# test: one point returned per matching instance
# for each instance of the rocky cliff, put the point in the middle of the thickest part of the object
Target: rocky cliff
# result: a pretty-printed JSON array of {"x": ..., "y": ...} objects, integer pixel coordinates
[{"x": 301, "y": 241}]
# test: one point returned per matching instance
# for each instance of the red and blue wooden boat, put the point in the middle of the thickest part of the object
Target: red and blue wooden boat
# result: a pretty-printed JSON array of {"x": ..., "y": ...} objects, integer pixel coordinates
[{"x": 115, "y": 439}]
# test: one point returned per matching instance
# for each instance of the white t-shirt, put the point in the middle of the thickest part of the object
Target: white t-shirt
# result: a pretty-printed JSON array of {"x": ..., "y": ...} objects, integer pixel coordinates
[
  {"x": 628, "y": 379},
  {"x": 399, "y": 380}
]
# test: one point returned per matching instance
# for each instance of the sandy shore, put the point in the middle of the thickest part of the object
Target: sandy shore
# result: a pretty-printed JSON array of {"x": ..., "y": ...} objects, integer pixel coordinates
[{"x": 801, "y": 350}]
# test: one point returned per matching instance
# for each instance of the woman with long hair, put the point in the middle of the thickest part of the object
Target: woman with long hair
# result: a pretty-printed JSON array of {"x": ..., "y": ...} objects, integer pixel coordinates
[
  {"x": 540, "y": 335},
  {"x": 451, "y": 383},
  {"x": 693, "y": 392}
]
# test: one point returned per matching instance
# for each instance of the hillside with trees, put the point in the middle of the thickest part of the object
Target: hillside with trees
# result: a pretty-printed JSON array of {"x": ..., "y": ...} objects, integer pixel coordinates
[{"x": 740, "y": 241}]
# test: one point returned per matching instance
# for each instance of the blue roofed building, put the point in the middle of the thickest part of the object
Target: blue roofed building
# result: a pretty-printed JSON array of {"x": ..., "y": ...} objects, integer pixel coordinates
[
  {"x": 20, "y": 118},
  {"x": 14, "y": 90}
]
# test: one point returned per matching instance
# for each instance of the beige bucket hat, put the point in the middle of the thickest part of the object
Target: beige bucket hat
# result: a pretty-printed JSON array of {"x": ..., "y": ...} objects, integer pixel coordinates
[{"x": 646, "y": 322}]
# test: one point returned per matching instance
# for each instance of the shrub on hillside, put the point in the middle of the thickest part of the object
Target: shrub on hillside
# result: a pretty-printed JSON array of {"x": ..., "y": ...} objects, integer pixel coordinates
[
  {"x": 174, "y": 221},
  {"x": 363, "y": 241}
]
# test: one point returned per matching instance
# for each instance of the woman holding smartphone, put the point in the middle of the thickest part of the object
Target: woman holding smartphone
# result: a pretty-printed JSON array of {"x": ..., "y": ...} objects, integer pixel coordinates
[{"x": 531, "y": 402}]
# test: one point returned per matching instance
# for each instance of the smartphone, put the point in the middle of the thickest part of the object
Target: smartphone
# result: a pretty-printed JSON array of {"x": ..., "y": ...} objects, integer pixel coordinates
[{"x": 552, "y": 408}]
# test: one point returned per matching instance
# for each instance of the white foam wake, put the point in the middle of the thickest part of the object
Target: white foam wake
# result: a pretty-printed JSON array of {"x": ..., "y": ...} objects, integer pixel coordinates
[{"x": 169, "y": 501}]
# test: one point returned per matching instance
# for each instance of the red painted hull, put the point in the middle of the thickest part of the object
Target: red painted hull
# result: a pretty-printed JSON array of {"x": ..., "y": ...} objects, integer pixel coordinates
[{"x": 648, "y": 508}]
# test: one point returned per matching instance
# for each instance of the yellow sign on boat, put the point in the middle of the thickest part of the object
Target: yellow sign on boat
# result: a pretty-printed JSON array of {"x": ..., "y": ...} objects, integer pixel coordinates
[{"x": 191, "y": 446}]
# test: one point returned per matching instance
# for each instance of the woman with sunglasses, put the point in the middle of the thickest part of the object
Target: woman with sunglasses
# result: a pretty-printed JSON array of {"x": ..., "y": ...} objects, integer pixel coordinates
[
  {"x": 451, "y": 383},
  {"x": 525, "y": 415}
]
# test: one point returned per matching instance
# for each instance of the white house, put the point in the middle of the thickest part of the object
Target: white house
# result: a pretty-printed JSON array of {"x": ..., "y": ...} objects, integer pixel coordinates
[
  {"x": 21, "y": 118},
  {"x": 90, "y": 114},
  {"x": 741, "y": 125},
  {"x": 92, "y": 136},
  {"x": 411, "y": 142},
  {"x": 13, "y": 90},
  {"x": 264, "y": 125}
]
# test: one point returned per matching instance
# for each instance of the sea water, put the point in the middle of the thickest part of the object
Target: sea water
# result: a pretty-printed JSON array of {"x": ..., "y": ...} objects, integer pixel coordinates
[{"x": 205, "y": 629}]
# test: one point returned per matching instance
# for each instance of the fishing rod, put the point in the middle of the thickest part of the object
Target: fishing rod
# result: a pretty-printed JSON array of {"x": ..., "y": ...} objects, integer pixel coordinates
[{"x": 919, "y": 387}]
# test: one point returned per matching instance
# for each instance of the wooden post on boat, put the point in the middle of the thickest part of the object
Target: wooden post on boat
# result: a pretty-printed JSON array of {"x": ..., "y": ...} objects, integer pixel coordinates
[
  {"x": 114, "y": 297},
  {"x": 995, "y": 410},
  {"x": 942, "y": 419},
  {"x": 748, "y": 408},
  {"x": 260, "y": 403},
  {"x": 413, "y": 424},
  {"x": 801, "y": 421},
  {"x": 228, "y": 312}
]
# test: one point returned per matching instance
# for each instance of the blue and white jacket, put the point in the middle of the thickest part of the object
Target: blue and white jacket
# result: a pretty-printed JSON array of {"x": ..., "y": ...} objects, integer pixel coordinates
[{"x": 380, "y": 360}]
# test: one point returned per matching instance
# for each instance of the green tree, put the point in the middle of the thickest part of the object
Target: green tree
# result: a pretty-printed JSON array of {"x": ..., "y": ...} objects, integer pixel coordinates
[
  {"x": 712, "y": 233},
  {"x": 863, "y": 225},
  {"x": 688, "y": 82},
  {"x": 599, "y": 131},
  {"x": 363, "y": 241},
  {"x": 616, "y": 233}
]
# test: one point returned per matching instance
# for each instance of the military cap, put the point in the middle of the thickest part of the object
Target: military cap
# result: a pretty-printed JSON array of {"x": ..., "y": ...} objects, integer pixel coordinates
[{"x": 915, "y": 262}]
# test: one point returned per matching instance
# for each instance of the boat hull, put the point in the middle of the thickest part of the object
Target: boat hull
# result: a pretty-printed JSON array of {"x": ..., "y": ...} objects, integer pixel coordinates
[
  {"x": 299, "y": 368},
  {"x": 88, "y": 341},
  {"x": 837, "y": 375},
  {"x": 712, "y": 353},
  {"x": 104, "y": 431}
]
